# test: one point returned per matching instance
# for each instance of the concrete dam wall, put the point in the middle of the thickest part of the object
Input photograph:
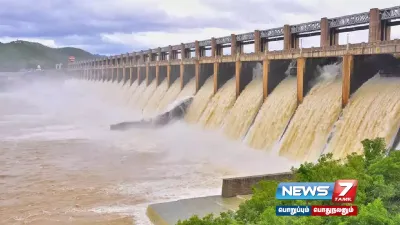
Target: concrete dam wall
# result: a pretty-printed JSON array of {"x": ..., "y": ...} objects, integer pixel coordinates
[{"x": 298, "y": 109}]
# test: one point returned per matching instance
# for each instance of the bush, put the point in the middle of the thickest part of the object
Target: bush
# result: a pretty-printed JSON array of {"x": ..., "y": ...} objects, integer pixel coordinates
[{"x": 378, "y": 195}]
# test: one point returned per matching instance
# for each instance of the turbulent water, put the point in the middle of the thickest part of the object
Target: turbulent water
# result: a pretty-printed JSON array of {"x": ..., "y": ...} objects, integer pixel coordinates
[
  {"x": 200, "y": 101},
  {"x": 309, "y": 129},
  {"x": 219, "y": 105},
  {"x": 152, "y": 105},
  {"x": 62, "y": 165},
  {"x": 146, "y": 95},
  {"x": 188, "y": 90},
  {"x": 136, "y": 95},
  {"x": 373, "y": 111},
  {"x": 274, "y": 115},
  {"x": 245, "y": 109},
  {"x": 170, "y": 96}
]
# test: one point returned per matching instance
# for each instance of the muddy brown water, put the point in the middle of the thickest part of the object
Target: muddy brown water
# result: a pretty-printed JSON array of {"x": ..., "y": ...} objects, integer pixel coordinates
[{"x": 60, "y": 163}]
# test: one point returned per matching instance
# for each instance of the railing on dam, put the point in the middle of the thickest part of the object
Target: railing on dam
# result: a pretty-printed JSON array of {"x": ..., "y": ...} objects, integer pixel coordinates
[{"x": 176, "y": 59}]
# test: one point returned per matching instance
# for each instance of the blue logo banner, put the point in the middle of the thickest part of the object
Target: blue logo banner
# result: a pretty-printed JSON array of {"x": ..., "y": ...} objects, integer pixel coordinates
[
  {"x": 299, "y": 210},
  {"x": 305, "y": 190}
]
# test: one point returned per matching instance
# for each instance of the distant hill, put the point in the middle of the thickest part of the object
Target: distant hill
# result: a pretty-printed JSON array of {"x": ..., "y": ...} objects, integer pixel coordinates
[{"x": 18, "y": 55}]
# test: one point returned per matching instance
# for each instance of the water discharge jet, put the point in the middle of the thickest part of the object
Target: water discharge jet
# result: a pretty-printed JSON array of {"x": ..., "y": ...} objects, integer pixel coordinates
[{"x": 175, "y": 111}]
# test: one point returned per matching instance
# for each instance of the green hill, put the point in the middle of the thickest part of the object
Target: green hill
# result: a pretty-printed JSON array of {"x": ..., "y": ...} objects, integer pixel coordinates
[{"x": 18, "y": 55}]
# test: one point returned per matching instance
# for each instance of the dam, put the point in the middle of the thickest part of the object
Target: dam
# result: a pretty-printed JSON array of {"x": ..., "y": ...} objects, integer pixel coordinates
[
  {"x": 298, "y": 103},
  {"x": 251, "y": 114}
]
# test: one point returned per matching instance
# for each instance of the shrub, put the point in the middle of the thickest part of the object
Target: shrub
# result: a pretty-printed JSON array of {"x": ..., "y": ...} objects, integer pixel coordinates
[{"x": 378, "y": 195}]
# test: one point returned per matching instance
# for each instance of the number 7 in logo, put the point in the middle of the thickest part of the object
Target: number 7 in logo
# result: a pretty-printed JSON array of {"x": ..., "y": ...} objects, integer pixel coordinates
[{"x": 345, "y": 191}]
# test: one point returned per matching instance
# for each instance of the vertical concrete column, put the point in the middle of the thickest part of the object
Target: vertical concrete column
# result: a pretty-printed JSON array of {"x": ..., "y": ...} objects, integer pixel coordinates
[
  {"x": 147, "y": 73},
  {"x": 238, "y": 66},
  {"x": 170, "y": 53},
  {"x": 348, "y": 65},
  {"x": 184, "y": 55},
  {"x": 266, "y": 67},
  {"x": 301, "y": 66},
  {"x": 158, "y": 74},
  {"x": 197, "y": 49},
  {"x": 181, "y": 72},
  {"x": 123, "y": 66},
  {"x": 169, "y": 73},
  {"x": 216, "y": 72},
  {"x": 287, "y": 37},
  {"x": 234, "y": 45},
  {"x": 374, "y": 26},
  {"x": 196, "y": 74},
  {"x": 325, "y": 33},
  {"x": 213, "y": 47},
  {"x": 112, "y": 68},
  {"x": 119, "y": 65},
  {"x": 150, "y": 55},
  {"x": 257, "y": 42}
]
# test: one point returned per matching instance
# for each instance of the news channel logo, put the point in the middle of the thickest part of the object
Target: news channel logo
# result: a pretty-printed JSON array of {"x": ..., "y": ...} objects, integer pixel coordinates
[{"x": 340, "y": 191}]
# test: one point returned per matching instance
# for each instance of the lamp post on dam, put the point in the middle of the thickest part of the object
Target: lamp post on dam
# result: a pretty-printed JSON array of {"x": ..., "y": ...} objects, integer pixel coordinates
[{"x": 176, "y": 61}]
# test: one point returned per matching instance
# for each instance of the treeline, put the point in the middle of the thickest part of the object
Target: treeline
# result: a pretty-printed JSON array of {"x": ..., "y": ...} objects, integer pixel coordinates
[{"x": 378, "y": 194}]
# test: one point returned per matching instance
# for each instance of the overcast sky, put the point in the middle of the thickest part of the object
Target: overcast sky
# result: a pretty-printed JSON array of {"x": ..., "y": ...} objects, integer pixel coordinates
[{"x": 120, "y": 26}]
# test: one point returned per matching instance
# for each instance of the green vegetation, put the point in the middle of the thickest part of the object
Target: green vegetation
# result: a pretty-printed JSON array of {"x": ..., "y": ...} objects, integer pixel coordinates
[
  {"x": 378, "y": 195},
  {"x": 18, "y": 55}
]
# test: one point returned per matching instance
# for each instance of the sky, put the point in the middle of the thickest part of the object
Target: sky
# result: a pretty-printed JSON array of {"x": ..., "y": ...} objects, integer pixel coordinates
[{"x": 111, "y": 27}]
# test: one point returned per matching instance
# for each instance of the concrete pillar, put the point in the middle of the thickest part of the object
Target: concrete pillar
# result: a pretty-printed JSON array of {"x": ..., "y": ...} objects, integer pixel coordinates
[
  {"x": 257, "y": 42},
  {"x": 287, "y": 38},
  {"x": 184, "y": 54},
  {"x": 196, "y": 49},
  {"x": 301, "y": 67},
  {"x": 234, "y": 45},
  {"x": 123, "y": 72},
  {"x": 374, "y": 25},
  {"x": 325, "y": 33},
  {"x": 130, "y": 75},
  {"x": 213, "y": 47},
  {"x": 147, "y": 74},
  {"x": 182, "y": 71},
  {"x": 196, "y": 74},
  {"x": 138, "y": 74},
  {"x": 265, "y": 77},
  {"x": 112, "y": 69},
  {"x": 216, "y": 71},
  {"x": 169, "y": 73},
  {"x": 238, "y": 66},
  {"x": 170, "y": 53},
  {"x": 348, "y": 66},
  {"x": 157, "y": 75}
]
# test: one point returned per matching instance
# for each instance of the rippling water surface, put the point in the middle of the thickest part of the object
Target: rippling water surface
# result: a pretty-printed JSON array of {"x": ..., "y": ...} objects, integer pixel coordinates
[{"x": 60, "y": 164}]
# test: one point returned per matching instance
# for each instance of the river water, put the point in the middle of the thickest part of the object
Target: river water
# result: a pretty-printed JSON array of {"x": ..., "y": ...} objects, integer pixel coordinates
[{"x": 60, "y": 163}]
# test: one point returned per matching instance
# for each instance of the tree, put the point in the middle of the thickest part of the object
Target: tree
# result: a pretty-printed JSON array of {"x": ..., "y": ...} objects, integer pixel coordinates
[{"x": 378, "y": 195}]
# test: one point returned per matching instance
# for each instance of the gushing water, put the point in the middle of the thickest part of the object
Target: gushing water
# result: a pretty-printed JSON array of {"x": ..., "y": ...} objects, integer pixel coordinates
[
  {"x": 200, "y": 101},
  {"x": 313, "y": 120},
  {"x": 188, "y": 90},
  {"x": 62, "y": 165},
  {"x": 152, "y": 105},
  {"x": 373, "y": 111},
  {"x": 148, "y": 92},
  {"x": 274, "y": 115},
  {"x": 245, "y": 109},
  {"x": 170, "y": 96},
  {"x": 137, "y": 94},
  {"x": 128, "y": 97},
  {"x": 220, "y": 104}
]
